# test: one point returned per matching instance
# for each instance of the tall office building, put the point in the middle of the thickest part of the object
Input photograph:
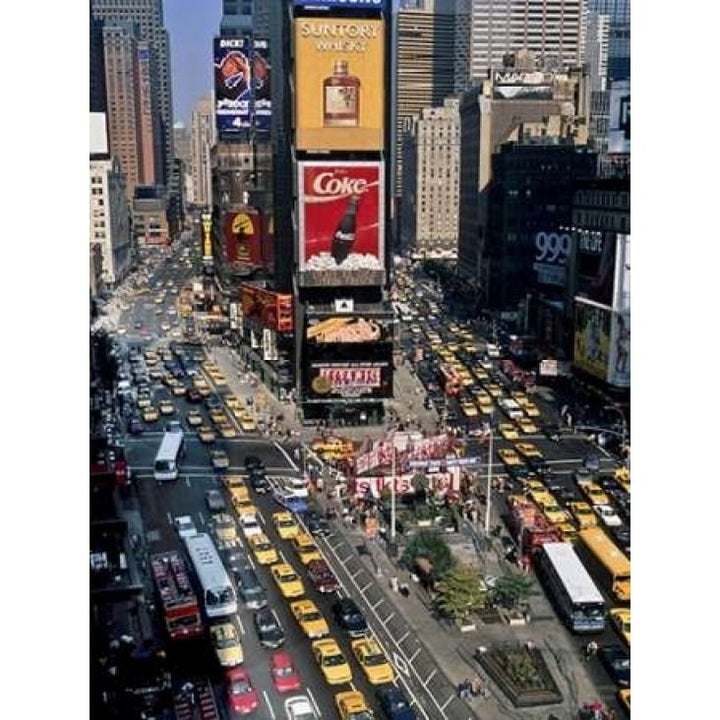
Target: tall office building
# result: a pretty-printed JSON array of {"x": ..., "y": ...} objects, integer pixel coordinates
[
  {"x": 130, "y": 117},
  {"x": 246, "y": 17},
  {"x": 98, "y": 95},
  {"x": 551, "y": 29},
  {"x": 182, "y": 143},
  {"x": 147, "y": 15},
  {"x": 202, "y": 140},
  {"x": 424, "y": 67},
  {"x": 618, "y": 14}
]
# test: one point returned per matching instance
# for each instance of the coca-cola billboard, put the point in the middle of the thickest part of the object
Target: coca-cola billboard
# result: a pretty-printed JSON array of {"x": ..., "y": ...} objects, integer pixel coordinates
[{"x": 342, "y": 224}]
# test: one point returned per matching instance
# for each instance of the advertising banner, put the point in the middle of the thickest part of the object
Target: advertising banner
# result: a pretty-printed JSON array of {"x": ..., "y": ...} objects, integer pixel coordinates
[
  {"x": 619, "y": 128},
  {"x": 342, "y": 223},
  {"x": 262, "y": 104},
  {"x": 619, "y": 361},
  {"x": 331, "y": 380},
  {"x": 348, "y": 330},
  {"x": 232, "y": 84},
  {"x": 592, "y": 338},
  {"x": 243, "y": 237},
  {"x": 595, "y": 253},
  {"x": 439, "y": 483},
  {"x": 207, "y": 252},
  {"x": 268, "y": 308},
  {"x": 269, "y": 345},
  {"x": 622, "y": 274},
  {"x": 360, "y": 4},
  {"x": 339, "y": 76},
  {"x": 551, "y": 253}
]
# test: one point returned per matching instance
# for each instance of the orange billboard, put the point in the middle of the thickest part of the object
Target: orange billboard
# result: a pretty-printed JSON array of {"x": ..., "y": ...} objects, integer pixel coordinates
[
  {"x": 272, "y": 310},
  {"x": 340, "y": 83}
]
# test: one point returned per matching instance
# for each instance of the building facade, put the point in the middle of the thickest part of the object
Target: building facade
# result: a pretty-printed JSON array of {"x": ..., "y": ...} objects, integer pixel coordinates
[
  {"x": 150, "y": 216},
  {"x": 617, "y": 14},
  {"x": 147, "y": 17},
  {"x": 431, "y": 190},
  {"x": 202, "y": 141}
]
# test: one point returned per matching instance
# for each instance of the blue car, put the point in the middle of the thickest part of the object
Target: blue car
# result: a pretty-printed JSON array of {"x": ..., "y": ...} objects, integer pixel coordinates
[
  {"x": 395, "y": 704},
  {"x": 290, "y": 502}
]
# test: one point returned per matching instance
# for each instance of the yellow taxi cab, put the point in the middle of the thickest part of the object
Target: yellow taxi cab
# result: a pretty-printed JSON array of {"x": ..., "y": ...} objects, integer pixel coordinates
[
  {"x": 225, "y": 527},
  {"x": 494, "y": 389},
  {"x": 144, "y": 400},
  {"x": 310, "y": 619},
  {"x": 481, "y": 374},
  {"x": 529, "y": 450},
  {"x": 178, "y": 390},
  {"x": 206, "y": 434},
  {"x": 332, "y": 662},
  {"x": 595, "y": 494},
  {"x": 218, "y": 416},
  {"x": 150, "y": 414},
  {"x": 194, "y": 418},
  {"x": 532, "y": 484},
  {"x": 624, "y": 698},
  {"x": 622, "y": 478},
  {"x": 373, "y": 662},
  {"x": 226, "y": 430},
  {"x": 527, "y": 426},
  {"x": 244, "y": 506},
  {"x": 520, "y": 397},
  {"x": 219, "y": 380},
  {"x": 200, "y": 383},
  {"x": 508, "y": 431},
  {"x": 247, "y": 424},
  {"x": 351, "y": 705},
  {"x": 486, "y": 407},
  {"x": 509, "y": 457},
  {"x": 549, "y": 507},
  {"x": 583, "y": 514},
  {"x": 568, "y": 532},
  {"x": 469, "y": 409},
  {"x": 233, "y": 402},
  {"x": 285, "y": 525},
  {"x": 225, "y": 640},
  {"x": 531, "y": 409},
  {"x": 306, "y": 548},
  {"x": 151, "y": 360},
  {"x": 166, "y": 407},
  {"x": 233, "y": 481},
  {"x": 238, "y": 491},
  {"x": 287, "y": 580},
  {"x": 620, "y": 620},
  {"x": 264, "y": 551},
  {"x": 333, "y": 448}
]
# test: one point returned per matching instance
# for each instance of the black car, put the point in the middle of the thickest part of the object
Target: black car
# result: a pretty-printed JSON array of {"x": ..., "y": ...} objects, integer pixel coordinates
[
  {"x": 592, "y": 463},
  {"x": 259, "y": 483},
  {"x": 253, "y": 594},
  {"x": 236, "y": 560},
  {"x": 616, "y": 661},
  {"x": 135, "y": 426},
  {"x": 253, "y": 462},
  {"x": 192, "y": 395},
  {"x": 213, "y": 402},
  {"x": 349, "y": 617},
  {"x": 268, "y": 628},
  {"x": 317, "y": 525},
  {"x": 394, "y": 703}
]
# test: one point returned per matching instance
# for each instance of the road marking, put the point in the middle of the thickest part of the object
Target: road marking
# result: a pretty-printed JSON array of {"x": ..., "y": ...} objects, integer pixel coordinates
[
  {"x": 287, "y": 457},
  {"x": 407, "y": 632},
  {"x": 269, "y": 704},
  {"x": 430, "y": 677},
  {"x": 203, "y": 522},
  {"x": 388, "y": 618},
  {"x": 400, "y": 664},
  {"x": 415, "y": 654},
  {"x": 240, "y": 623},
  {"x": 379, "y": 602},
  {"x": 362, "y": 591},
  {"x": 314, "y": 703},
  {"x": 169, "y": 517},
  {"x": 447, "y": 702}
]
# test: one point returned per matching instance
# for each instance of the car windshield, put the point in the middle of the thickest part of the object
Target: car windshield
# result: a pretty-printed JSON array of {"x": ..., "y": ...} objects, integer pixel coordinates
[
  {"x": 226, "y": 642},
  {"x": 240, "y": 687},
  {"x": 213, "y": 597},
  {"x": 286, "y": 671},
  {"x": 333, "y": 660},
  {"x": 362, "y": 715},
  {"x": 377, "y": 659},
  {"x": 310, "y": 616},
  {"x": 288, "y": 577}
]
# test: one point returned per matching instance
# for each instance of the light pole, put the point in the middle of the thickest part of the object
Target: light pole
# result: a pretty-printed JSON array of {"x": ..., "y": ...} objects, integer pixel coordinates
[
  {"x": 488, "y": 493},
  {"x": 623, "y": 441}
]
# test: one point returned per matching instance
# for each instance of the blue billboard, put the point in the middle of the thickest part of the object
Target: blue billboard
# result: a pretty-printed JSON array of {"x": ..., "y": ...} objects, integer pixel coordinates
[
  {"x": 233, "y": 84},
  {"x": 262, "y": 104},
  {"x": 360, "y": 4}
]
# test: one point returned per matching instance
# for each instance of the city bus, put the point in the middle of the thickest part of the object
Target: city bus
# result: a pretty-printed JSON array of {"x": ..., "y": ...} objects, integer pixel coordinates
[
  {"x": 577, "y": 600},
  {"x": 217, "y": 591},
  {"x": 605, "y": 562},
  {"x": 450, "y": 381},
  {"x": 179, "y": 602},
  {"x": 167, "y": 460}
]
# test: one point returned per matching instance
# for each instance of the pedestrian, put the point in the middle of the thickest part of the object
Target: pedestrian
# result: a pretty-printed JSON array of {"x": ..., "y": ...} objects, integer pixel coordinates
[{"x": 591, "y": 649}]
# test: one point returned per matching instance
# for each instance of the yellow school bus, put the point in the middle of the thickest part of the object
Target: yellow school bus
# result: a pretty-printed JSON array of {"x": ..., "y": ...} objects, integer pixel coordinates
[{"x": 605, "y": 562}]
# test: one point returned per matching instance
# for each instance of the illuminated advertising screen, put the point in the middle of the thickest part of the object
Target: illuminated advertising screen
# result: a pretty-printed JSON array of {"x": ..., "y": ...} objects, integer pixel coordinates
[
  {"x": 262, "y": 104},
  {"x": 243, "y": 237},
  {"x": 551, "y": 253},
  {"x": 351, "y": 4},
  {"x": 591, "y": 352},
  {"x": 342, "y": 223},
  {"x": 232, "y": 84},
  {"x": 332, "y": 380},
  {"x": 207, "y": 252},
  {"x": 339, "y": 76},
  {"x": 348, "y": 329},
  {"x": 268, "y": 308}
]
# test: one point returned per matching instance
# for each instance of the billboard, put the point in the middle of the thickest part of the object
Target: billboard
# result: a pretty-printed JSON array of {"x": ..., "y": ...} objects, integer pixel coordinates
[
  {"x": 262, "y": 104},
  {"x": 621, "y": 300},
  {"x": 243, "y": 236},
  {"x": 340, "y": 83},
  {"x": 619, "y": 127},
  {"x": 551, "y": 253},
  {"x": 348, "y": 379},
  {"x": 342, "y": 223},
  {"x": 207, "y": 252},
  {"x": 269, "y": 344},
  {"x": 595, "y": 253},
  {"x": 439, "y": 483},
  {"x": 355, "y": 329},
  {"x": 591, "y": 351},
  {"x": 232, "y": 84},
  {"x": 359, "y": 4},
  {"x": 270, "y": 309},
  {"x": 619, "y": 355}
]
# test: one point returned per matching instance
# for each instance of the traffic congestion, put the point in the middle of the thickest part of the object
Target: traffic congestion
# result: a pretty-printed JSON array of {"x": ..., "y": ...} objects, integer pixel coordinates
[{"x": 253, "y": 611}]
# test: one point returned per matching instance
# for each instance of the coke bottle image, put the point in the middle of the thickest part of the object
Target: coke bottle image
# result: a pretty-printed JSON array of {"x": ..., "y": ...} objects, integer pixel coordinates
[{"x": 344, "y": 236}]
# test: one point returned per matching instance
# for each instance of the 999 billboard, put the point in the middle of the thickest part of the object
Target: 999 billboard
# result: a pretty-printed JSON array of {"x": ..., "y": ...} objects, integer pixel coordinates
[{"x": 342, "y": 223}]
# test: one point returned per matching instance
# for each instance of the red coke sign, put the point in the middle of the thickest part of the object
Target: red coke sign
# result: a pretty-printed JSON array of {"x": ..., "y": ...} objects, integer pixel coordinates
[{"x": 342, "y": 223}]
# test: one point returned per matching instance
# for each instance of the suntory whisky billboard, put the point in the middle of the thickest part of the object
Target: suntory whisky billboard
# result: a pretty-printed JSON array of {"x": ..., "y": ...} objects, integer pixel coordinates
[
  {"x": 339, "y": 79},
  {"x": 342, "y": 223}
]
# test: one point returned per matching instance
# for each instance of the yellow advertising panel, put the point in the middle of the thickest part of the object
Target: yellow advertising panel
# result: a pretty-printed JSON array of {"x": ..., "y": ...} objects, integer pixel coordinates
[
  {"x": 339, "y": 83},
  {"x": 592, "y": 338}
]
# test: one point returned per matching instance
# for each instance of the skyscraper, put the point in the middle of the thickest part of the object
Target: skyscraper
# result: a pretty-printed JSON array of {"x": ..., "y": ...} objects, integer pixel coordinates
[
  {"x": 618, "y": 14},
  {"x": 551, "y": 29},
  {"x": 202, "y": 140},
  {"x": 147, "y": 15}
]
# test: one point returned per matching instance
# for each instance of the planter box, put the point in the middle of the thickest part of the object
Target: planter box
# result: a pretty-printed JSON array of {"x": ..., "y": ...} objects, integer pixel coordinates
[
  {"x": 424, "y": 523},
  {"x": 468, "y": 627}
]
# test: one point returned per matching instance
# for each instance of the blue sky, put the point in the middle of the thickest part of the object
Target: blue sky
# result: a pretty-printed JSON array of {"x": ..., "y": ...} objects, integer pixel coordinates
[{"x": 191, "y": 24}]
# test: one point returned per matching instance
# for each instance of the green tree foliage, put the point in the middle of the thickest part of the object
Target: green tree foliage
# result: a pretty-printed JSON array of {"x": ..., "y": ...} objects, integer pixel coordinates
[
  {"x": 460, "y": 592},
  {"x": 512, "y": 589},
  {"x": 430, "y": 545}
]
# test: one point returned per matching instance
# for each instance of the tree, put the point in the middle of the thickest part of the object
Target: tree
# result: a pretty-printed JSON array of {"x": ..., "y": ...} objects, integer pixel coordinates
[
  {"x": 512, "y": 589},
  {"x": 460, "y": 592},
  {"x": 430, "y": 545}
]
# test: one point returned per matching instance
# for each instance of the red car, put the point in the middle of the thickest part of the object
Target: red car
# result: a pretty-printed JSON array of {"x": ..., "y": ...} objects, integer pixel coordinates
[
  {"x": 242, "y": 696},
  {"x": 284, "y": 675}
]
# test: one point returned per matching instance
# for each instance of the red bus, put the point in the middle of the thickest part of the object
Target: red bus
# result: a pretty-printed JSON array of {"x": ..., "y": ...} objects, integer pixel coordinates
[
  {"x": 106, "y": 458},
  {"x": 450, "y": 381},
  {"x": 177, "y": 597}
]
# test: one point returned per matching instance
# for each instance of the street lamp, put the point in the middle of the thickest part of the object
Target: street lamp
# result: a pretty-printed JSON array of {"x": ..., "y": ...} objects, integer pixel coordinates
[
  {"x": 623, "y": 441},
  {"x": 488, "y": 493}
]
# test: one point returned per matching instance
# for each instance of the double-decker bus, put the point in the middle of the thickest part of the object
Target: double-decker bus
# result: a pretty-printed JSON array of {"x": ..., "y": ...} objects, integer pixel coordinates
[
  {"x": 570, "y": 588},
  {"x": 167, "y": 461},
  {"x": 178, "y": 599},
  {"x": 605, "y": 562},
  {"x": 450, "y": 380},
  {"x": 218, "y": 593}
]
